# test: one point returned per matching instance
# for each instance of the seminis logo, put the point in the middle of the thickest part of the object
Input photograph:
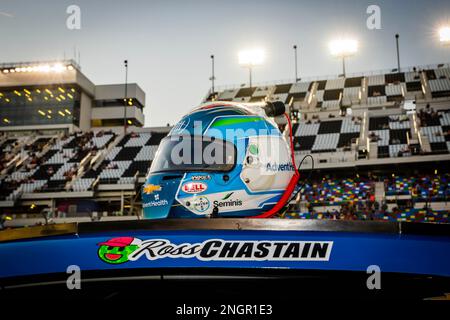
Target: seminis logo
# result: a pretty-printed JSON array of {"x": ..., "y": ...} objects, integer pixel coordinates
[
  {"x": 117, "y": 250},
  {"x": 124, "y": 249}
]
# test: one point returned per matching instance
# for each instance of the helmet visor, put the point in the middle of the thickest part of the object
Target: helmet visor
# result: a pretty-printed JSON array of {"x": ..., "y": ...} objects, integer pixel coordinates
[{"x": 194, "y": 153}]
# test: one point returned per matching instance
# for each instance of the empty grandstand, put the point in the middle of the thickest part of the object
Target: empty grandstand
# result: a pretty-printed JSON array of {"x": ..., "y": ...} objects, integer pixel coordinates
[
  {"x": 64, "y": 152},
  {"x": 365, "y": 131}
]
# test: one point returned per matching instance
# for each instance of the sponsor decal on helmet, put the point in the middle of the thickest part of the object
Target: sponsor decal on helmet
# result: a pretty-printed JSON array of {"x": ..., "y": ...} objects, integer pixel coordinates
[
  {"x": 201, "y": 178},
  {"x": 120, "y": 250},
  {"x": 201, "y": 204},
  {"x": 150, "y": 188},
  {"x": 228, "y": 195},
  {"x": 156, "y": 203},
  {"x": 227, "y": 202},
  {"x": 253, "y": 149},
  {"x": 277, "y": 167},
  {"x": 194, "y": 187}
]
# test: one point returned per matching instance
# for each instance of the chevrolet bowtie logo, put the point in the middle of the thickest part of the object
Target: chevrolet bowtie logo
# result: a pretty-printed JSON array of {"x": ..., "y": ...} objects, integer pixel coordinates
[{"x": 150, "y": 188}]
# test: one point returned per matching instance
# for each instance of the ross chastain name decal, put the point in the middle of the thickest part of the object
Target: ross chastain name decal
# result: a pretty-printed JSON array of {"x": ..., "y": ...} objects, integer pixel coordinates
[{"x": 133, "y": 249}]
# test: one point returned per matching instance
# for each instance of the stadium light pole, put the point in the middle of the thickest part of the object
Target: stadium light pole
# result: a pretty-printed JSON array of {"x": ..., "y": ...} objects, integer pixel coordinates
[
  {"x": 295, "y": 57},
  {"x": 125, "y": 99},
  {"x": 398, "y": 52},
  {"x": 343, "y": 48},
  {"x": 212, "y": 74},
  {"x": 250, "y": 59}
]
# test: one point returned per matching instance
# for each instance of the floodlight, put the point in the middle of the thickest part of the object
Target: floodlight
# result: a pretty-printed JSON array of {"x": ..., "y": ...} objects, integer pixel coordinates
[
  {"x": 58, "y": 67},
  {"x": 444, "y": 35},
  {"x": 343, "y": 47},
  {"x": 250, "y": 58}
]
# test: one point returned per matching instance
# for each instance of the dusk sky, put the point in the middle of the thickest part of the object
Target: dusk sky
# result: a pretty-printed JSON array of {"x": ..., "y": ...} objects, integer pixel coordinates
[{"x": 168, "y": 43}]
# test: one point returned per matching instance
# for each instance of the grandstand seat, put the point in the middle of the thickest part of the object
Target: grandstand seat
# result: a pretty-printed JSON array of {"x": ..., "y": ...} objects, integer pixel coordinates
[
  {"x": 431, "y": 75},
  {"x": 396, "y": 150},
  {"x": 261, "y": 92},
  {"x": 383, "y": 151},
  {"x": 391, "y": 135},
  {"x": 378, "y": 123},
  {"x": 257, "y": 99},
  {"x": 330, "y": 105},
  {"x": 394, "y": 77},
  {"x": 330, "y": 127},
  {"x": 335, "y": 84},
  {"x": 137, "y": 166},
  {"x": 319, "y": 96},
  {"x": 326, "y": 142},
  {"x": 61, "y": 163},
  {"x": 352, "y": 94},
  {"x": 300, "y": 87},
  {"x": 376, "y": 101},
  {"x": 305, "y": 129},
  {"x": 345, "y": 139},
  {"x": 377, "y": 91},
  {"x": 279, "y": 97},
  {"x": 434, "y": 133},
  {"x": 440, "y": 87},
  {"x": 282, "y": 88},
  {"x": 54, "y": 186},
  {"x": 325, "y": 136},
  {"x": 376, "y": 80},
  {"x": 245, "y": 92},
  {"x": 321, "y": 85},
  {"x": 395, "y": 90},
  {"x": 138, "y": 141},
  {"x": 132, "y": 154},
  {"x": 103, "y": 140},
  {"x": 127, "y": 153},
  {"x": 350, "y": 126},
  {"x": 295, "y": 97},
  {"x": 82, "y": 184},
  {"x": 304, "y": 143},
  {"x": 334, "y": 94},
  {"x": 228, "y": 95},
  {"x": 398, "y": 136},
  {"x": 413, "y": 86},
  {"x": 353, "y": 82}
]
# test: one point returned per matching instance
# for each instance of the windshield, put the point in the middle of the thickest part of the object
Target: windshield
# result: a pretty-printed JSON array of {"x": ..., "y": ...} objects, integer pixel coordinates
[{"x": 194, "y": 153}]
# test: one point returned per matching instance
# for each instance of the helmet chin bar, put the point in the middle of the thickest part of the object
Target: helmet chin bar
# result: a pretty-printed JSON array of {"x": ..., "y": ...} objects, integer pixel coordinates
[{"x": 284, "y": 198}]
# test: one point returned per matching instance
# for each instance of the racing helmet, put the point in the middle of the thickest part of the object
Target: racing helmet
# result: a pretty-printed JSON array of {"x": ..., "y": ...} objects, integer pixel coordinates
[{"x": 221, "y": 160}]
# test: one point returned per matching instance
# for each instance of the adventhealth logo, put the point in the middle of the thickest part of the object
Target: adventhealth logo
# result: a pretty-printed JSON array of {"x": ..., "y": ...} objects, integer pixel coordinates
[
  {"x": 158, "y": 203},
  {"x": 275, "y": 167}
]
